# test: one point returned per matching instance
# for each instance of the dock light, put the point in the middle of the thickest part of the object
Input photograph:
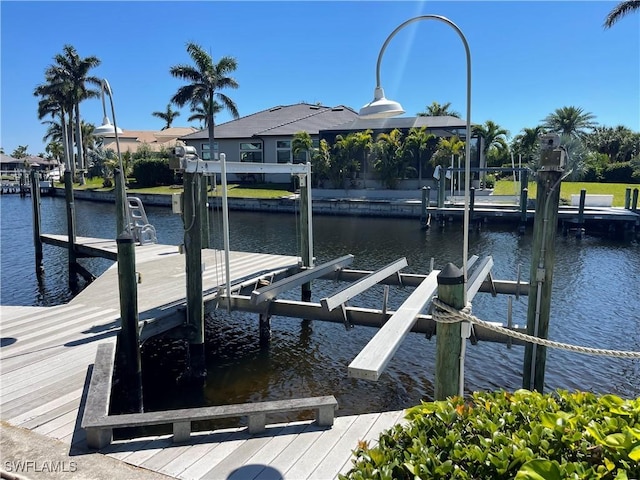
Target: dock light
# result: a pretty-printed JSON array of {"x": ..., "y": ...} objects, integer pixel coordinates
[
  {"x": 106, "y": 129},
  {"x": 381, "y": 107}
]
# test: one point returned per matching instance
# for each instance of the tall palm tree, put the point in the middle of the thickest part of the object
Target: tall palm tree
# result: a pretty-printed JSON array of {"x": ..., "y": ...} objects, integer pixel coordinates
[
  {"x": 204, "y": 112},
  {"x": 71, "y": 68},
  {"x": 493, "y": 135},
  {"x": 206, "y": 79},
  {"x": 620, "y": 10},
  {"x": 168, "y": 116},
  {"x": 526, "y": 143},
  {"x": 420, "y": 144},
  {"x": 570, "y": 121},
  {"x": 437, "y": 110}
]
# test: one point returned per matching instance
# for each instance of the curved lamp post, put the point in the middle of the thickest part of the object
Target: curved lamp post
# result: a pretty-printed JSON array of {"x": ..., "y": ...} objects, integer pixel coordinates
[
  {"x": 128, "y": 338},
  {"x": 108, "y": 129},
  {"x": 381, "y": 107}
]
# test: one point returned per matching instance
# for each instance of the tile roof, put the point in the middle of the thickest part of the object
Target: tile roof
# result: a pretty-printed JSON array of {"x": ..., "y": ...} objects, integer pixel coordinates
[
  {"x": 443, "y": 122},
  {"x": 281, "y": 121}
]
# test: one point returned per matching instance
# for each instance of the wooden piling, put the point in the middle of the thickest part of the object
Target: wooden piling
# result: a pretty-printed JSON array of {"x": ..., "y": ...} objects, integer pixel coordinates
[
  {"x": 524, "y": 199},
  {"x": 71, "y": 229},
  {"x": 583, "y": 198},
  {"x": 472, "y": 202},
  {"x": 37, "y": 241},
  {"x": 193, "y": 251},
  {"x": 634, "y": 202},
  {"x": 204, "y": 213},
  {"x": 627, "y": 198},
  {"x": 130, "y": 366},
  {"x": 448, "y": 339},
  {"x": 541, "y": 273},
  {"x": 442, "y": 188},
  {"x": 306, "y": 248},
  {"x": 423, "y": 209}
]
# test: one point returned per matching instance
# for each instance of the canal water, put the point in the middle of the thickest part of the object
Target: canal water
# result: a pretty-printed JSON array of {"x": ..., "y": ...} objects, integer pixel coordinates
[{"x": 595, "y": 302}]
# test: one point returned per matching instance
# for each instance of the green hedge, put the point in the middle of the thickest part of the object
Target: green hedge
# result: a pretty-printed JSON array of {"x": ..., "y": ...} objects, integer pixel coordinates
[
  {"x": 621, "y": 172},
  {"x": 151, "y": 172},
  {"x": 501, "y": 435}
]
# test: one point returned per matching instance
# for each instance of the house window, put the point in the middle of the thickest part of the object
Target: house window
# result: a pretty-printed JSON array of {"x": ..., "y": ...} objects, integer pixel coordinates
[
  {"x": 204, "y": 148},
  {"x": 283, "y": 151},
  {"x": 251, "y": 152}
]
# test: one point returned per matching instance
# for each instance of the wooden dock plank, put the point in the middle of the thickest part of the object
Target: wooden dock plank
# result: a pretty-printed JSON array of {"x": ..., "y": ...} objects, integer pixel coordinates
[
  {"x": 375, "y": 356},
  {"x": 340, "y": 453}
]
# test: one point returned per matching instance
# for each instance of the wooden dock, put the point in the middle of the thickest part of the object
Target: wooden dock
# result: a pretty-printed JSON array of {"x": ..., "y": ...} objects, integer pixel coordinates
[{"x": 47, "y": 353}]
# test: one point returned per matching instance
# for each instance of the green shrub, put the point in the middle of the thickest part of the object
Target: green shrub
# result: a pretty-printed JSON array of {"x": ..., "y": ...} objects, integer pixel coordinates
[
  {"x": 501, "y": 435},
  {"x": 151, "y": 172},
  {"x": 620, "y": 172}
]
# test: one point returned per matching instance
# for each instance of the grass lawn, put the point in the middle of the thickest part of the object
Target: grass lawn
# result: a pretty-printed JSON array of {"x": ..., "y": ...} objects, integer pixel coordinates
[
  {"x": 506, "y": 187},
  {"x": 234, "y": 190}
]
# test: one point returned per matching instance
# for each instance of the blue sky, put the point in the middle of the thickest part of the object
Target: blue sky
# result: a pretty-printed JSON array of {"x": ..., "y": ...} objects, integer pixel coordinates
[{"x": 528, "y": 58}]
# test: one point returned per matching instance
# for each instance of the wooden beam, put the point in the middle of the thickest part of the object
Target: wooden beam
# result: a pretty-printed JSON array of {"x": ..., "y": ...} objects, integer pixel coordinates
[
  {"x": 363, "y": 284},
  {"x": 271, "y": 291},
  {"x": 478, "y": 277},
  {"x": 375, "y": 356}
]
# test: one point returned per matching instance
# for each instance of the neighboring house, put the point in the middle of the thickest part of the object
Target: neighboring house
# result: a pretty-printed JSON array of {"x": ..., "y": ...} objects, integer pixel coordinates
[
  {"x": 266, "y": 136},
  {"x": 156, "y": 140},
  {"x": 9, "y": 163}
]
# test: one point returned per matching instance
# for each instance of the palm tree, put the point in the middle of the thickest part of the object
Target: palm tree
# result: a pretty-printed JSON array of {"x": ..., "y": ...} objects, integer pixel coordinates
[
  {"x": 620, "y": 10},
  {"x": 420, "y": 145},
  {"x": 206, "y": 78},
  {"x": 526, "y": 143},
  {"x": 389, "y": 162},
  {"x": 570, "y": 121},
  {"x": 302, "y": 143},
  {"x": 493, "y": 135},
  {"x": 74, "y": 70},
  {"x": 437, "y": 110},
  {"x": 204, "y": 112},
  {"x": 168, "y": 116},
  {"x": 363, "y": 142},
  {"x": 446, "y": 148}
]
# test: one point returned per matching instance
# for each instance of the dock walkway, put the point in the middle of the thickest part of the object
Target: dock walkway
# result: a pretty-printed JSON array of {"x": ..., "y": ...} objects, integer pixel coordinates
[{"x": 46, "y": 357}]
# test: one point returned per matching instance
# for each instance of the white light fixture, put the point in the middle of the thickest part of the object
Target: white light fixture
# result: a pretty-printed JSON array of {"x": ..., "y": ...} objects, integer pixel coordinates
[
  {"x": 380, "y": 107},
  {"x": 106, "y": 129}
]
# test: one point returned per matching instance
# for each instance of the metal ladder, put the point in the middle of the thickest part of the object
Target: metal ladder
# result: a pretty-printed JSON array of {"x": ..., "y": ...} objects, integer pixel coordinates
[{"x": 143, "y": 232}]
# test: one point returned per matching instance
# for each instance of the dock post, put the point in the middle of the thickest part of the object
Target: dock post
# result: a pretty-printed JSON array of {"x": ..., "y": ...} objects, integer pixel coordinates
[
  {"x": 193, "y": 252},
  {"x": 583, "y": 199},
  {"x": 448, "y": 335},
  {"x": 204, "y": 212},
  {"x": 128, "y": 338},
  {"x": 627, "y": 198},
  {"x": 634, "y": 202},
  {"x": 472, "y": 202},
  {"x": 524, "y": 199},
  {"x": 442, "y": 187},
  {"x": 71, "y": 228},
  {"x": 37, "y": 241},
  {"x": 423, "y": 210},
  {"x": 306, "y": 235},
  {"x": 542, "y": 258}
]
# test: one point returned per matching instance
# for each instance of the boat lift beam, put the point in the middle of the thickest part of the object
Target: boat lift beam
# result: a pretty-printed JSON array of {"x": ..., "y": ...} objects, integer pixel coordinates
[
  {"x": 363, "y": 284},
  {"x": 269, "y": 292},
  {"x": 375, "y": 356},
  {"x": 478, "y": 277}
]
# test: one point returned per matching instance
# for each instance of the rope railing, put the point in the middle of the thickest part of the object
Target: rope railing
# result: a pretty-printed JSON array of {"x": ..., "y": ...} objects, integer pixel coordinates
[{"x": 443, "y": 313}]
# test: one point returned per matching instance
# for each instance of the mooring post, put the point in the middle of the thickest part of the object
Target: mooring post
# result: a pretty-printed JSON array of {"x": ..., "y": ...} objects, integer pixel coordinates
[
  {"x": 442, "y": 187},
  {"x": 423, "y": 210},
  {"x": 583, "y": 199},
  {"x": 130, "y": 366},
  {"x": 542, "y": 258},
  {"x": 634, "y": 203},
  {"x": 193, "y": 252},
  {"x": 627, "y": 198},
  {"x": 71, "y": 228},
  {"x": 448, "y": 335},
  {"x": 37, "y": 241},
  {"x": 204, "y": 212},
  {"x": 472, "y": 202},
  {"x": 306, "y": 239},
  {"x": 524, "y": 199}
]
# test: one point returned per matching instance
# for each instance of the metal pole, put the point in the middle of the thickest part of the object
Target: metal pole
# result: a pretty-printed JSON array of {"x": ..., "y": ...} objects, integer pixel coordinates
[
  {"x": 37, "y": 241},
  {"x": 225, "y": 226},
  {"x": 306, "y": 229}
]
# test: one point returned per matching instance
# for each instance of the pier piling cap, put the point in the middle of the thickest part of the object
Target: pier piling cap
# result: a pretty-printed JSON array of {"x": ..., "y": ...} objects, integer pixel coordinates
[
  {"x": 124, "y": 237},
  {"x": 450, "y": 275}
]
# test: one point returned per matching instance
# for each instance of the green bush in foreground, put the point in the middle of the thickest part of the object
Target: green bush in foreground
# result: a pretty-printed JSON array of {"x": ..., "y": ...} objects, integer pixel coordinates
[{"x": 500, "y": 435}]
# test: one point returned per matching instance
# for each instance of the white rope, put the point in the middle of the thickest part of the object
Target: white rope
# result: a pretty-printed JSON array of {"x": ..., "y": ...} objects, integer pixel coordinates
[{"x": 444, "y": 313}]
